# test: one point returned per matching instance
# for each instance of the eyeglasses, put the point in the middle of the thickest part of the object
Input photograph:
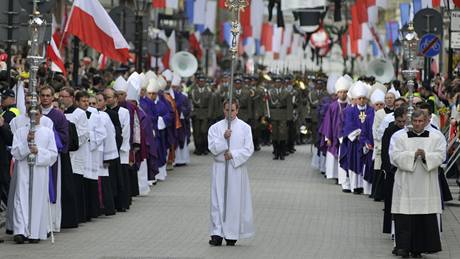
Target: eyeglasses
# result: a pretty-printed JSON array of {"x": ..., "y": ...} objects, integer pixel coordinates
[{"x": 92, "y": 103}]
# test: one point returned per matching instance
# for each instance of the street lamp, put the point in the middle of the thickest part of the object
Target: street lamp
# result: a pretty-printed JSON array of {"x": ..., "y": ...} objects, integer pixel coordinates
[
  {"x": 140, "y": 6},
  {"x": 410, "y": 42},
  {"x": 207, "y": 40}
]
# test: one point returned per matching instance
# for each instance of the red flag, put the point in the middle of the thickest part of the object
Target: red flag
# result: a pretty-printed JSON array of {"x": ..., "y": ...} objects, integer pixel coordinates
[
  {"x": 195, "y": 47},
  {"x": 435, "y": 3},
  {"x": 221, "y": 4},
  {"x": 344, "y": 45},
  {"x": 158, "y": 4},
  {"x": 267, "y": 36},
  {"x": 361, "y": 5},
  {"x": 52, "y": 52},
  {"x": 90, "y": 22}
]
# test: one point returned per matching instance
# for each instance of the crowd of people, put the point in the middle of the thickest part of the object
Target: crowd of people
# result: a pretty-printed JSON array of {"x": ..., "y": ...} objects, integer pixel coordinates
[
  {"x": 93, "y": 148},
  {"x": 119, "y": 132},
  {"x": 369, "y": 144}
]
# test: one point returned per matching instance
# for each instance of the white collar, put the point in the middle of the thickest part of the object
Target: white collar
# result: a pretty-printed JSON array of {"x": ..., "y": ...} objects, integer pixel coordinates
[{"x": 45, "y": 111}]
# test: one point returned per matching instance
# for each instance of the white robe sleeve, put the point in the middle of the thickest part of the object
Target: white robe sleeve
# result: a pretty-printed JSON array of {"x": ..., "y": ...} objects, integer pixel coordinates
[
  {"x": 354, "y": 134},
  {"x": 20, "y": 148},
  {"x": 110, "y": 146},
  {"x": 97, "y": 133},
  {"x": 217, "y": 144},
  {"x": 436, "y": 155},
  {"x": 82, "y": 124},
  {"x": 47, "y": 155},
  {"x": 161, "y": 123},
  {"x": 125, "y": 131},
  {"x": 242, "y": 154},
  {"x": 399, "y": 156}
]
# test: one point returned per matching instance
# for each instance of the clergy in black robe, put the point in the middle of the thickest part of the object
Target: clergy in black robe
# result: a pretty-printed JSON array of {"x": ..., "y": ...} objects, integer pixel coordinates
[
  {"x": 68, "y": 197},
  {"x": 66, "y": 100},
  {"x": 387, "y": 168},
  {"x": 108, "y": 184}
]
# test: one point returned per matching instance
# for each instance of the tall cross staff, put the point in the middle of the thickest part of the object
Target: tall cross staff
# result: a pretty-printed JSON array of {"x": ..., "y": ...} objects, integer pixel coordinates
[
  {"x": 37, "y": 25},
  {"x": 235, "y": 6}
]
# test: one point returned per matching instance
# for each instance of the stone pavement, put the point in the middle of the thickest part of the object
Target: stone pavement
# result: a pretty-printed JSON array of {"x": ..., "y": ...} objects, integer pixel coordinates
[{"x": 298, "y": 214}]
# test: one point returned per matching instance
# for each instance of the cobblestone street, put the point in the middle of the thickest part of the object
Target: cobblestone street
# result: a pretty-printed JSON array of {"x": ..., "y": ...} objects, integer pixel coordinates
[{"x": 298, "y": 214}]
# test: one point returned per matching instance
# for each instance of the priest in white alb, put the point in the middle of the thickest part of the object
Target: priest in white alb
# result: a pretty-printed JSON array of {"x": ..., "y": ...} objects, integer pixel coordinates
[
  {"x": 417, "y": 154},
  {"x": 238, "y": 222}
]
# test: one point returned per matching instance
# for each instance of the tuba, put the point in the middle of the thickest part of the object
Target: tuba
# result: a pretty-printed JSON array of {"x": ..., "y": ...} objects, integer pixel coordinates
[
  {"x": 184, "y": 64},
  {"x": 382, "y": 70}
]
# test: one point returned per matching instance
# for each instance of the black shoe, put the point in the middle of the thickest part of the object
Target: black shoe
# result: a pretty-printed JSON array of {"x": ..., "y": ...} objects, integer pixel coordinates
[
  {"x": 9, "y": 232},
  {"x": 19, "y": 239},
  {"x": 358, "y": 191},
  {"x": 179, "y": 165},
  {"x": 216, "y": 240},
  {"x": 281, "y": 157},
  {"x": 257, "y": 148},
  {"x": 403, "y": 253},
  {"x": 346, "y": 190},
  {"x": 276, "y": 157},
  {"x": 196, "y": 152},
  {"x": 395, "y": 251},
  {"x": 34, "y": 241},
  {"x": 416, "y": 255},
  {"x": 230, "y": 242}
]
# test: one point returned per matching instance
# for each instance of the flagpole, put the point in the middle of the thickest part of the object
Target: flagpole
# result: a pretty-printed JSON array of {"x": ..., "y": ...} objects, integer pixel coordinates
[{"x": 235, "y": 6}]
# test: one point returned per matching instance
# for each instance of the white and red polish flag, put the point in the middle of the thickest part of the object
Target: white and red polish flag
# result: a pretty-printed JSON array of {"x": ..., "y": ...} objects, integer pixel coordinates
[
  {"x": 90, "y": 22},
  {"x": 52, "y": 52}
]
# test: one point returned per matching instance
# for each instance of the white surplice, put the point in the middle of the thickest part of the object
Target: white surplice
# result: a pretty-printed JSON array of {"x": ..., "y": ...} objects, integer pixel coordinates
[
  {"x": 239, "y": 216},
  {"x": 97, "y": 135},
  {"x": 36, "y": 224},
  {"x": 416, "y": 187},
  {"x": 123, "y": 113},
  {"x": 79, "y": 158},
  {"x": 110, "y": 145}
]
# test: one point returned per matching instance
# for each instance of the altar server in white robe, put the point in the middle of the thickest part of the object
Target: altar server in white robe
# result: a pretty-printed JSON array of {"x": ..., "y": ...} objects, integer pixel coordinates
[
  {"x": 416, "y": 193},
  {"x": 16, "y": 123},
  {"x": 31, "y": 217},
  {"x": 239, "y": 218}
]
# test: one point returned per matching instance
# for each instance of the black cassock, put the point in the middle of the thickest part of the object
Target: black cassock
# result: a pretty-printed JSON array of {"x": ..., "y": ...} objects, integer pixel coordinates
[
  {"x": 68, "y": 135},
  {"x": 118, "y": 172},
  {"x": 389, "y": 172}
]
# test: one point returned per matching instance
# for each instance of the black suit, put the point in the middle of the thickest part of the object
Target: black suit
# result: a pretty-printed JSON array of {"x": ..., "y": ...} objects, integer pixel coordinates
[{"x": 6, "y": 139}]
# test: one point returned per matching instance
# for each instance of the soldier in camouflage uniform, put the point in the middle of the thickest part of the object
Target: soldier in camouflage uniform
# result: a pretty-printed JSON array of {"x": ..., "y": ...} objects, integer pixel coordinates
[
  {"x": 314, "y": 98},
  {"x": 201, "y": 98},
  {"x": 280, "y": 104},
  {"x": 293, "y": 114},
  {"x": 219, "y": 93},
  {"x": 258, "y": 109},
  {"x": 243, "y": 95}
]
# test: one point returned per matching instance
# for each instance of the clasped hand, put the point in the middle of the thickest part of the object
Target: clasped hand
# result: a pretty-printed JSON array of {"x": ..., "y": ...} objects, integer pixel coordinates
[{"x": 420, "y": 153}]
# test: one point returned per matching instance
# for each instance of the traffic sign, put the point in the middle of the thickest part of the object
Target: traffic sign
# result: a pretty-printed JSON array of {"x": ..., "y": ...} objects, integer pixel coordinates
[
  {"x": 428, "y": 21},
  {"x": 430, "y": 45}
]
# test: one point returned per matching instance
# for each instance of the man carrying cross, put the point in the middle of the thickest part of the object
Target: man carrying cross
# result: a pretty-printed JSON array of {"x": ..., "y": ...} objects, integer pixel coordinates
[{"x": 238, "y": 221}]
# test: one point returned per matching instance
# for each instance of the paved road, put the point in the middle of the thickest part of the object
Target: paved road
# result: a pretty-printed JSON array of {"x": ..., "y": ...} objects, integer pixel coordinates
[{"x": 298, "y": 214}]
